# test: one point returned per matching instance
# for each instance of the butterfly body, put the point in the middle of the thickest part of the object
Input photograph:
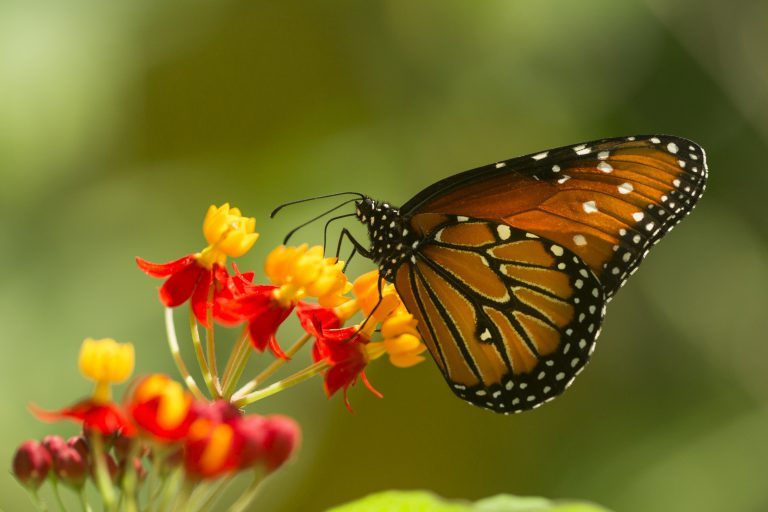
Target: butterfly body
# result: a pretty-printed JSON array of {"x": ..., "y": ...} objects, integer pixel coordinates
[{"x": 508, "y": 267}]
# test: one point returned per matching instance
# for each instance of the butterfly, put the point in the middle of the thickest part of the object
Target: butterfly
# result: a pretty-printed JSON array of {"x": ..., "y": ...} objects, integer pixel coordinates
[{"x": 508, "y": 267}]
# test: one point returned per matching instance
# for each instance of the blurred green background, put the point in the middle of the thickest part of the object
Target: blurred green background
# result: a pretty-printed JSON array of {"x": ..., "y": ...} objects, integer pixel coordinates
[{"x": 120, "y": 122}]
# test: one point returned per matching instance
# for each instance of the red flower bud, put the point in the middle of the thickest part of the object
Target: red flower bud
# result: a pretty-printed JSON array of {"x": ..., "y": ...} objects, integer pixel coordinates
[
  {"x": 31, "y": 464},
  {"x": 283, "y": 437},
  {"x": 54, "y": 443},
  {"x": 70, "y": 466},
  {"x": 80, "y": 443},
  {"x": 253, "y": 433}
]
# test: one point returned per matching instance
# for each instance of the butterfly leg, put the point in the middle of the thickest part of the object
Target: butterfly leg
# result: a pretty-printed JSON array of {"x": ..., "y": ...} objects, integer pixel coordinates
[{"x": 358, "y": 246}]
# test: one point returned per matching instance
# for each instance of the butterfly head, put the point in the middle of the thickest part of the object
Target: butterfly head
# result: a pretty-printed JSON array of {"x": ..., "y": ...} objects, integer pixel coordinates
[{"x": 391, "y": 241}]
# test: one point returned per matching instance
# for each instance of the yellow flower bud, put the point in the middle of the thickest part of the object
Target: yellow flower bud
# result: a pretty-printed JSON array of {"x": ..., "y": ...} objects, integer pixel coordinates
[
  {"x": 228, "y": 234},
  {"x": 366, "y": 291},
  {"x": 106, "y": 362},
  {"x": 399, "y": 322},
  {"x": 303, "y": 271}
]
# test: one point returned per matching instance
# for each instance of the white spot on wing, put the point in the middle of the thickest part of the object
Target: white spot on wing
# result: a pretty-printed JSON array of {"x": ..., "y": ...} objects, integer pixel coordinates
[
  {"x": 625, "y": 188},
  {"x": 579, "y": 240},
  {"x": 503, "y": 231},
  {"x": 605, "y": 167},
  {"x": 589, "y": 206},
  {"x": 541, "y": 156}
]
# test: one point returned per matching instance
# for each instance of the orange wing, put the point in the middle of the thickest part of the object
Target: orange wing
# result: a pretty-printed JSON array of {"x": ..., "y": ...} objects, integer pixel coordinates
[
  {"x": 607, "y": 201},
  {"x": 509, "y": 317}
]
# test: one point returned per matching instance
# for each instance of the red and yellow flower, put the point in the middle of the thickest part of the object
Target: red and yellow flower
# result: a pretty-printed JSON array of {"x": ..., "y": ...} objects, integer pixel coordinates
[
  {"x": 200, "y": 277},
  {"x": 106, "y": 362}
]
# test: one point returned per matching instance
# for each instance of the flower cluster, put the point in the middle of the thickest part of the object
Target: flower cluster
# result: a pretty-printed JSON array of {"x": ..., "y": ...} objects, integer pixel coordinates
[{"x": 163, "y": 431}]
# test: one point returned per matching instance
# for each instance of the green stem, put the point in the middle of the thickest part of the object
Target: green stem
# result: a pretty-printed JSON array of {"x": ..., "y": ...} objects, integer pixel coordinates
[
  {"x": 236, "y": 364},
  {"x": 250, "y": 494},
  {"x": 57, "y": 494},
  {"x": 200, "y": 354},
  {"x": 103, "y": 480},
  {"x": 234, "y": 355},
  {"x": 169, "y": 485},
  {"x": 130, "y": 478},
  {"x": 306, "y": 373},
  {"x": 84, "y": 505},
  {"x": 272, "y": 368},
  {"x": 35, "y": 497},
  {"x": 182, "y": 500},
  {"x": 238, "y": 369},
  {"x": 211, "y": 348},
  {"x": 214, "y": 494},
  {"x": 173, "y": 344}
]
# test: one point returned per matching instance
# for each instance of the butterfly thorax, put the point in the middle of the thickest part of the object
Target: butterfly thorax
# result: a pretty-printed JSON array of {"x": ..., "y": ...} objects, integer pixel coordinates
[{"x": 391, "y": 240}]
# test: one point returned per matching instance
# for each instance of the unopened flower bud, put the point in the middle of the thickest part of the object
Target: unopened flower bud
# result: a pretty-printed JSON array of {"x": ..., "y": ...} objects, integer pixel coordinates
[
  {"x": 80, "y": 443},
  {"x": 70, "y": 467},
  {"x": 31, "y": 464},
  {"x": 282, "y": 440},
  {"x": 54, "y": 443},
  {"x": 253, "y": 433}
]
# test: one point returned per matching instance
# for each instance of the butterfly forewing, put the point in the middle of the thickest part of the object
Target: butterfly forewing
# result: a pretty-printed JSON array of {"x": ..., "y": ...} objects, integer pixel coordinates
[
  {"x": 607, "y": 201},
  {"x": 509, "y": 317}
]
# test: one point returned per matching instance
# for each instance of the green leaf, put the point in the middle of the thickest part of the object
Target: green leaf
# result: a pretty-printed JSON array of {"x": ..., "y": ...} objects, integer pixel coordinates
[
  {"x": 402, "y": 501},
  {"x": 422, "y": 501}
]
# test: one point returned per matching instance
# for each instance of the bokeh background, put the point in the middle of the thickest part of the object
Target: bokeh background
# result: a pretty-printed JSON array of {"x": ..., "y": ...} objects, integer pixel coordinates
[{"x": 120, "y": 122}]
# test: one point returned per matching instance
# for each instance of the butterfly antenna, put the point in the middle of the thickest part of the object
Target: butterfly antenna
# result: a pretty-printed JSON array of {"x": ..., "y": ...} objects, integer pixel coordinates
[
  {"x": 313, "y": 219},
  {"x": 358, "y": 195}
]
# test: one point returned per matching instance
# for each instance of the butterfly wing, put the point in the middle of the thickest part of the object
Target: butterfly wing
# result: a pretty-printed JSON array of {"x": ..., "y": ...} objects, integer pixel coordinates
[
  {"x": 510, "y": 317},
  {"x": 607, "y": 201}
]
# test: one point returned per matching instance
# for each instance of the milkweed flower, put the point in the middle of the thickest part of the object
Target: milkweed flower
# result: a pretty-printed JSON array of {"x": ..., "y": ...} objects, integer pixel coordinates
[
  {"x": 197, "y": 277},
  {"x": 303, "y": 271},
  {"x": 346, "y": 353},
  {"x": 161, "y": 407},
  {"x": 106, "y": 362},
  {"x": 296, "y": 273},
  {"x": 210, "y": 446},
  {"x": 367, "y": 299},
  {"x": 402, "y": 341}
]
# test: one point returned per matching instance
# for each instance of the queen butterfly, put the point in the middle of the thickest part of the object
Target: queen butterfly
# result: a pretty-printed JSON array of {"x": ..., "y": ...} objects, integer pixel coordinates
[{"x": 508, "y": 267}]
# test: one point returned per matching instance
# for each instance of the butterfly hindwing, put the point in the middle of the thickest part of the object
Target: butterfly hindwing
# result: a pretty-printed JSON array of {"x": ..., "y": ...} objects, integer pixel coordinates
[{"x": 509, "y": 317}]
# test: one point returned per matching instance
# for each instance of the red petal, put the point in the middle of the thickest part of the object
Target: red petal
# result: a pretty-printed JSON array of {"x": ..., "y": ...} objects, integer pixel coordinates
[
  {"x": 315, "y": 319},
  {"x": 164, "y": 269},
  {"x": 105, "y": 418},
  {"x": 200, "y": 297},
  {"x": 369, "y": 386},
  {"x": 263, "y": 326},
  {"x": 180, "y": 286}
]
